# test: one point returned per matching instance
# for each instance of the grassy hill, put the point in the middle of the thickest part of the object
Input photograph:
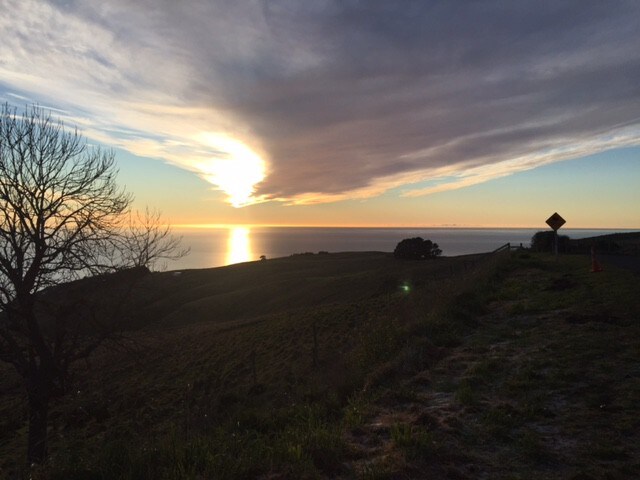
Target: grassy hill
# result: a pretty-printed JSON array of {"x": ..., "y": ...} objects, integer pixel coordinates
[
  {"x": 297, "y": 282},
  {"x": 356, "y": 365},
  {"x": 618, "y": 243}
]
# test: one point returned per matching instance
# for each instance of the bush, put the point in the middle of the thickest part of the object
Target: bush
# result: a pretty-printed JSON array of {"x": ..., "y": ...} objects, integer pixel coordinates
[
  {"x": 416, "y": 249},
  {"x": 543, "y": 242}
]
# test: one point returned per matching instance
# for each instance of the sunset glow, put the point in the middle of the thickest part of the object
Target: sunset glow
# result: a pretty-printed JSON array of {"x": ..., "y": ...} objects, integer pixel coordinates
[
  {"x": 455, "y": 115},
  {"x": 235, "y": 169},
  {"x": 239, "y": 246}
]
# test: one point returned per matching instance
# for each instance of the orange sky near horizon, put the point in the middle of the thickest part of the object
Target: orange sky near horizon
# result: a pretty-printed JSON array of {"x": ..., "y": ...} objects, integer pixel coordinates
[{"x": 599, "y": 191}]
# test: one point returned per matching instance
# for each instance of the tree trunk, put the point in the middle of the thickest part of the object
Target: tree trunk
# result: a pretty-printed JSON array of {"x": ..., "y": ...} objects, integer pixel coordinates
[{"x": 37, "y": 443}]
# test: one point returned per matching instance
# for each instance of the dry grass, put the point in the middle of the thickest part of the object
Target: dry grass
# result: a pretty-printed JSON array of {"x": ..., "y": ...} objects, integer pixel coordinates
[
  {"x": 325, "y": 366},
  {"x": 239, "y": 345}
]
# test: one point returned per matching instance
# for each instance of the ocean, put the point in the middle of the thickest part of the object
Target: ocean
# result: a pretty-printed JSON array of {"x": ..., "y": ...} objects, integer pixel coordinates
[{"x": 215, "y": 247}]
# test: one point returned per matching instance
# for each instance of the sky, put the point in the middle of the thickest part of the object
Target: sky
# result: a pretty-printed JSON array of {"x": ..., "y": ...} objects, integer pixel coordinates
[{"x": 346, "y": 113}]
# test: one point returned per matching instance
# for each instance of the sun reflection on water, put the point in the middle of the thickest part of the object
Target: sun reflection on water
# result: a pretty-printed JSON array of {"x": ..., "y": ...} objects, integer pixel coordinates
[{"x": 239, "y": 245}]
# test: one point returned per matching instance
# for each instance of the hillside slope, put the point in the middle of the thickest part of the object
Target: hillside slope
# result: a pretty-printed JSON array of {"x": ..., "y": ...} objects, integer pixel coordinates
[
  {"x": 206, "y": 344},
  {"x": 546, "y": 386},
  {"x": 300, "y": 281},
  {"x": 359, "y": 366}
]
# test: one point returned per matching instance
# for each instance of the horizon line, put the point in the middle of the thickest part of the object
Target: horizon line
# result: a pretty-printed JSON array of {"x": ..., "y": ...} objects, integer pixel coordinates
[{"x": 205, "y": 226}]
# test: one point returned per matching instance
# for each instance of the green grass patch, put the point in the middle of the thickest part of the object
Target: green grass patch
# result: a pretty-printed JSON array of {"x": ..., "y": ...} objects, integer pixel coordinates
[{"x": 416, "y": 442}]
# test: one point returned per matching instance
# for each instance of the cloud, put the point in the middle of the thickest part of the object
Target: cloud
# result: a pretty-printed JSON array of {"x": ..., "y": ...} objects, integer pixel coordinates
[{"x": 325, "y": 101}]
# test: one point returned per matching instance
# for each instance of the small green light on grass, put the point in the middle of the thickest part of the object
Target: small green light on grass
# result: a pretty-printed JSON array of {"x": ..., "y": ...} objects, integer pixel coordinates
[{"x": 405, "y": 288}]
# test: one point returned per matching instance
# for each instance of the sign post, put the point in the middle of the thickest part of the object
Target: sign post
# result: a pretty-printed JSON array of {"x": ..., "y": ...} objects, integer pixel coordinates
[{"x": 555, "y": 221}]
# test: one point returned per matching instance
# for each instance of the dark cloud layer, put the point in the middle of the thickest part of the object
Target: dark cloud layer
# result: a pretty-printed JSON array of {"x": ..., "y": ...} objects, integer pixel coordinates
[
  {"x": 344, "y": 96},
  {"x": 402, "y": 87}
]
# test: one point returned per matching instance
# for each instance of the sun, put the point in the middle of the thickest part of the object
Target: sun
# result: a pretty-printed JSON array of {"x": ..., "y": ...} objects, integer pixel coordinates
[{"x": 233, "y": 167}]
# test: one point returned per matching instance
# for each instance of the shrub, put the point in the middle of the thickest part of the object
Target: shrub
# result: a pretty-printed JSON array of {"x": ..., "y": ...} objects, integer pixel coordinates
[
  {"x": 416, "y": 249},
  {"x": 543, "y": 241}
]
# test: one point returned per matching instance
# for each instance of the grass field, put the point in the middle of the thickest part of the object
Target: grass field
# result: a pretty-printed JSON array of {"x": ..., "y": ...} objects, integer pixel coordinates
[{"x": 357, "y": 366}]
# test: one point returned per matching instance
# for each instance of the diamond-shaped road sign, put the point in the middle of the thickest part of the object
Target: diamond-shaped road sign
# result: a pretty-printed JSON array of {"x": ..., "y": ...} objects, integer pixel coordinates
[{"x": 555, "y": 221}]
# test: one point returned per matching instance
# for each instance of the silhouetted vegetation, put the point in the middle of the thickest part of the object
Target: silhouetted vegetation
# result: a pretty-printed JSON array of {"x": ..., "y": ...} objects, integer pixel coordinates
[
  {"x": 543, "y": 241},
  {"x": 416, "y": 249},
  {"x": 62, "y": 217},
  {"x": 147, "y": 241}
]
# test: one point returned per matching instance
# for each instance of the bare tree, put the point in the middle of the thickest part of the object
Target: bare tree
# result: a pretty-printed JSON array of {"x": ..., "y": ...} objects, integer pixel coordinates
[
  {"x": 147, "y": 241},
  {"x": 62, "y": 217}
]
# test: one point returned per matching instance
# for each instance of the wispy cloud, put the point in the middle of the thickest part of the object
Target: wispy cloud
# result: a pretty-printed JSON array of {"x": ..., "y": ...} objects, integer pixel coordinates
[{"x": 311, "y": 102}]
